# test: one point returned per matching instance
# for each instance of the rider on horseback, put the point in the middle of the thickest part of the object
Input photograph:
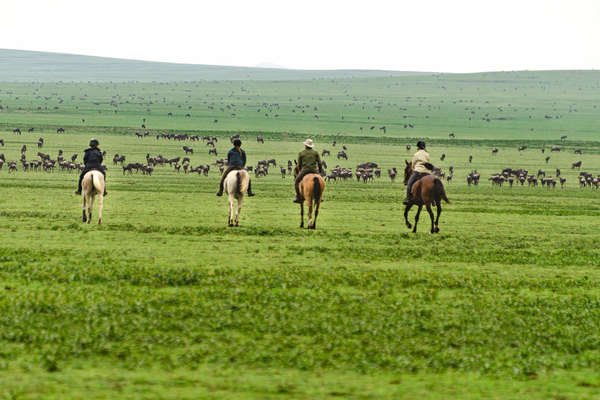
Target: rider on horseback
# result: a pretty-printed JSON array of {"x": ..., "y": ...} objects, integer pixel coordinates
[
  {"x": 309, "y": 162},
  {"x": 420, "y": 167},
  {"x": 93, "y": 161},
  {"x": 236, "y": 159}
]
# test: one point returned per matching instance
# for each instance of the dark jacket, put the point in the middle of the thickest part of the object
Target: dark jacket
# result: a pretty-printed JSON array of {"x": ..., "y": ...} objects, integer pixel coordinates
[
  {"x": 309, "y": 161},
  {"x": 93, "y": 158},
  {"x": 235, "y": 158}
]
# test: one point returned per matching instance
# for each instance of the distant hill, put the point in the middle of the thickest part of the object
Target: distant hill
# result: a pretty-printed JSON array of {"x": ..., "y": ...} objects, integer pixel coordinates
[{"x": 27, "y": 66}]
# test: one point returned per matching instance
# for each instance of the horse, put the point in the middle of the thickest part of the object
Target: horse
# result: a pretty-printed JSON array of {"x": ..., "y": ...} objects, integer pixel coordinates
[
  {"x": 236, "y": 186},
  {"x": 92, "y": 185},
  {"x": 311, "y": 187},
  {"x": 426, "y": 191}
]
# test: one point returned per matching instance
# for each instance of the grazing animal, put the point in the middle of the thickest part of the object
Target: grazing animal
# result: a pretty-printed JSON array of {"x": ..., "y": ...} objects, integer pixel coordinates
[
  {"x": 92, "y": 185},
  {"x": 425, "y": 192},
  {"x": 576, "y": 165},
  {"x": 236, "y": 185},
  {"x": 325, "y": 151},
  {"x": 311, "y": 187}
]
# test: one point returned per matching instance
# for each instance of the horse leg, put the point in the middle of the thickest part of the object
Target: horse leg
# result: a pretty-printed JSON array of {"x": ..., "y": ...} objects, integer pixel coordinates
[
  {"x": 437, "y": 218},
  {"x": 406, "y": 210},
  {"x": 239, "y": 209},
  {"x": 230, "y": 200},
  {"x": 302, "y": 215},
  {"x": 100, "y": 205},
  {"x": 311, "y": 224},
  {"x": 417, "y": 218},
  {"x": 428, "y": 206},
  {"x": 90, "y": 206},
  {"x": 84, "y": 201}
]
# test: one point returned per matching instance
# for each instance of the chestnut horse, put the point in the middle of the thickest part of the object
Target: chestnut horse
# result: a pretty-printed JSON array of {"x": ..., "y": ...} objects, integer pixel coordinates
[
  {"x": 92, "y": 185},
  {"x": 311, "y": 188},
  {"x": 426, "y": 191}
]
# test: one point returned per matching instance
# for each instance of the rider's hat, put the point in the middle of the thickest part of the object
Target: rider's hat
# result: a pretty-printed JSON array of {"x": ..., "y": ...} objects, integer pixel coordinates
[
  {"x": 94, "y": 142},
  {"x": 421, "y": 144},
  {"x": 309, "y": 143}
]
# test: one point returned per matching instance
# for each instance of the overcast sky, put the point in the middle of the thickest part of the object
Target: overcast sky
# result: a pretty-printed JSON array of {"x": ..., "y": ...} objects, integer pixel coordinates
[{"x": 415, "y": 35}]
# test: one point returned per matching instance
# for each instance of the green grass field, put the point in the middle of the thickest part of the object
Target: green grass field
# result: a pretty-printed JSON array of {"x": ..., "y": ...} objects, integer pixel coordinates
[{"x": 163, "y": 300}]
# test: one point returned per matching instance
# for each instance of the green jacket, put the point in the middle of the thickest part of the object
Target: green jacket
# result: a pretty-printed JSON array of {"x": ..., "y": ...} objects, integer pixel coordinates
[{"x": 309, "y": 161}]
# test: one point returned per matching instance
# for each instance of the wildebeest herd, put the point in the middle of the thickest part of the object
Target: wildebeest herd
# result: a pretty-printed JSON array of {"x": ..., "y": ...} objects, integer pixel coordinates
[{"x": 365, "y": 172}]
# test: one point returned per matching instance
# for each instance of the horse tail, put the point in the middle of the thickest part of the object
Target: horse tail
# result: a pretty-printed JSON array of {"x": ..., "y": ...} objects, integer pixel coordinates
[
  {"x": 316, "y": 190},
  {"x": 439, "y": 190},
  {"x": 244, "y": 181},
  {"x": 96, "y": 182},
  {"x": 238, "y": 183}
]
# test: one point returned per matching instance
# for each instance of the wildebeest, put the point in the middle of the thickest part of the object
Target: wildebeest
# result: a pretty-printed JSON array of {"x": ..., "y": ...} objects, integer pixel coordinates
[
  {"x": 188, "y": 150},
  {"x": 521, "y": 148},
  {"x": 259, "y": 139},
  {"x": 576, "y": 165},
  {"x": 555, "y": 148},
  {"x": 342, "y": 154},
  {"x": 325, "y": 151},
  {"x": 212, "y": 151}
]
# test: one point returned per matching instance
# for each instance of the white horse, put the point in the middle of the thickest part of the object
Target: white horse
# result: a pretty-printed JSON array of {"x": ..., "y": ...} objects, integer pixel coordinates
[
  {"x": 92, "y": 185},
  {"x": 236, "y": 185}
]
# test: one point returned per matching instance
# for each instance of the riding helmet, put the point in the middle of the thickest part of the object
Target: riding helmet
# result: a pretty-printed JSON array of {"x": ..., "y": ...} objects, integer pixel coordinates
[
  {"x": 94, "y": 142},
  {"x": 237, "y": 142},
  {"x": 421, "y": 144}
]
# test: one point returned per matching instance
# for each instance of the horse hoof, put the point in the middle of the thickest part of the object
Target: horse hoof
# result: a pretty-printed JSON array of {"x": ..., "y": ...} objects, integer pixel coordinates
[
  {"x": 409, "y": 226},
  {"x": 437, "y": 229},
  {"x": 230, "y": 224},
  {"x": 99, "y": 222}
]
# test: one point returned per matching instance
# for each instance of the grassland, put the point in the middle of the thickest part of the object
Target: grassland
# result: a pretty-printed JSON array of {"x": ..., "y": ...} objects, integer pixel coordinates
[{"x": 164, "y": 301}]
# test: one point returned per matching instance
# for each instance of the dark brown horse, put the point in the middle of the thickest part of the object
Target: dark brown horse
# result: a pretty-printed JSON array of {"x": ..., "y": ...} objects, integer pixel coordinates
[
  {"x": 426, "y": 191},
  {"x": 311, "y": 187}
]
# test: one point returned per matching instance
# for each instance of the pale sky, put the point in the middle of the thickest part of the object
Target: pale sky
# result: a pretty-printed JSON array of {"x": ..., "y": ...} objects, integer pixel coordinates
[{"x": 416, "y": 35}]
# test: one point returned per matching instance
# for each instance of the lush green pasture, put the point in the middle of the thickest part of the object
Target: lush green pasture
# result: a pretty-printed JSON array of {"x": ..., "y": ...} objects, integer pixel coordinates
[
  {"x": 165, "y": 301},
  {"x": 493, "y": 106}
]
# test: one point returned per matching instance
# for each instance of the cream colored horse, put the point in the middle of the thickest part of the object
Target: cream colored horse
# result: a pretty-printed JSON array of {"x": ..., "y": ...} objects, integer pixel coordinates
[
  {"x": 236, "y": 185},
  {"x": 92, "y": 185}
]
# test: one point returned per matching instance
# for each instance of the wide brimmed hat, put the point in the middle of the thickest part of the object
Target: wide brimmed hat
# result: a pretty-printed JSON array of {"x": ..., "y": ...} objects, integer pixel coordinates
[{"x": 309, "y": 143}]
